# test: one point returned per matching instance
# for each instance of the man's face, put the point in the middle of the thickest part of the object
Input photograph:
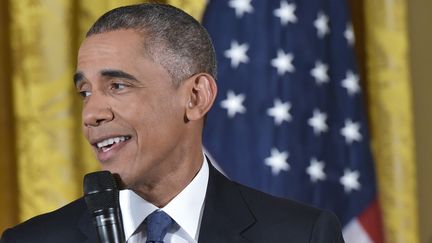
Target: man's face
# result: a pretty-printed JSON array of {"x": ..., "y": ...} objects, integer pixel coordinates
[{"x": 132, "y": 114}]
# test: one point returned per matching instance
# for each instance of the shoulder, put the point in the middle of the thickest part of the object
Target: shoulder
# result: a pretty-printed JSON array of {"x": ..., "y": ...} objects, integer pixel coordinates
[
  {"x": 49, "y": 227},
  {"x": 262, "y": 205},
  {"x": 280, "y": 216},
  {"x": 265, "y": 205}
]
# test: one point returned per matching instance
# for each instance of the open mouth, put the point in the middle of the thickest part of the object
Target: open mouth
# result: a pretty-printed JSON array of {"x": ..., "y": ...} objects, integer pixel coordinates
[{"x": 107, "y": 144}]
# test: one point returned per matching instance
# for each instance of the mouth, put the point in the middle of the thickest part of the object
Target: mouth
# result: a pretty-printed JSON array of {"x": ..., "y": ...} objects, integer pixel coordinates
[
  {"x": 106, "y": 144},
  {"x": 106, "y": 148}
]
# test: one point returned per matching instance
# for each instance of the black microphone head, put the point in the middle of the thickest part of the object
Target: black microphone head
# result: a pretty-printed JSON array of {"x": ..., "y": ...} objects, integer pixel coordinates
[{"x": 100, "y": 191}]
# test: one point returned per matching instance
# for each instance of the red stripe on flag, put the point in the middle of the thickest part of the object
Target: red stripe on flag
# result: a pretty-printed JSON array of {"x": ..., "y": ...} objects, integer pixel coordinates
[{"x": 370, "y": 220}]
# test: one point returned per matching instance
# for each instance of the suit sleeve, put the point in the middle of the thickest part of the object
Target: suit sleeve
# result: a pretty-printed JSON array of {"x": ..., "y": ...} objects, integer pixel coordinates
[{"x": 327, "y": 229}]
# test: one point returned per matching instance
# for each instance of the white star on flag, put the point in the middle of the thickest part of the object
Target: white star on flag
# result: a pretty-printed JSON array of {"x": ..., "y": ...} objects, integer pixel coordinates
[
  {"x": 241, "y": 7},
  {"x": 280, "y": 111},
  {"x": 286, "y": 13},
  {"x": 318, "y": 121},
  {"x": 321, "y": 24},
  {"x": 319, "y": 72},
  {"x": 283, "y": 62},
  {"x": 349, "y": 34},
  {"x": 237, "y": 53},
  {"x": 351, "y": 131},
  {"x": 316, "y": 170},
  {"x": 350, "y": 180},
  {"x": 277, "y": 161},
  {"x": 233, "y": 103},
  {"x": 351, "y": 83}
]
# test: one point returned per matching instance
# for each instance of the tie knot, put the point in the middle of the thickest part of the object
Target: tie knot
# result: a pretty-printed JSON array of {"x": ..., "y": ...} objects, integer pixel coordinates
[{"x": 158, "y": 224}]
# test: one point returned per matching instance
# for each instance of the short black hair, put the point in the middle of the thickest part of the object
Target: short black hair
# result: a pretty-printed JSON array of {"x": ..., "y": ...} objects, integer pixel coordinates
[{"x": 171, "y": 37}]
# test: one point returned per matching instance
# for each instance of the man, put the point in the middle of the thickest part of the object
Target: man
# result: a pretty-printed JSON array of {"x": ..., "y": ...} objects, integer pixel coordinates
[{"x": 146, "y": 74}]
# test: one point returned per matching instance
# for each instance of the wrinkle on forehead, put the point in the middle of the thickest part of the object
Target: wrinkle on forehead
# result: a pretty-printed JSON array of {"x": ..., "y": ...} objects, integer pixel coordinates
[
  {"x": 124, "y": 44},
  {"x": 110, "y": 43},
  {"x": 110, "y": 50}
]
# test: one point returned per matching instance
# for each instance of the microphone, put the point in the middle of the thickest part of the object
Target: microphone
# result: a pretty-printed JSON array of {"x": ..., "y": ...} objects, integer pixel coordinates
[{"x": 102, "y": 198}]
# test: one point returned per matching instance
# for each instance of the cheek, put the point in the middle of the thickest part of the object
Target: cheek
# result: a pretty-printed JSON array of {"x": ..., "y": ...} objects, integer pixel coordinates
[
  {"x": 163, "y": 111},
  {"x": 153, "y": 116},
  {"x": 159, "y": 123},
  {"x": 85, "y": 130}
]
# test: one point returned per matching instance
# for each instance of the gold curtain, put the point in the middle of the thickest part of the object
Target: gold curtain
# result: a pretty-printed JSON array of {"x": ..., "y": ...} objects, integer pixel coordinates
[
  {"x": 43, "y": 154},
  {"x": 391, "y": 116},
  {"x": 8, "y": 199},
  {"x": 44, "y": 105}
]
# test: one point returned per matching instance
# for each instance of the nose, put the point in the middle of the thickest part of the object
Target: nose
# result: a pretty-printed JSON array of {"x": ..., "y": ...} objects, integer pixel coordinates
[{"x": 96, "y": 111}]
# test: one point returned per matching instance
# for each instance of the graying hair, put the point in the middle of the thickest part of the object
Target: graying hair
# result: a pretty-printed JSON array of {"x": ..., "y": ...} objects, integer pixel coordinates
[{"x": 171, "y": 37}]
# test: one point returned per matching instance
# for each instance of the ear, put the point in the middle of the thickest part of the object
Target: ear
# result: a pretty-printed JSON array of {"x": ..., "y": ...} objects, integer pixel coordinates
[{"x": 202, "y": 91}]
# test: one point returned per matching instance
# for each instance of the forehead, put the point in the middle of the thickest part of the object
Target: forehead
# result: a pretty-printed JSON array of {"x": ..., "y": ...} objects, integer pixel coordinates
[
  {"x": 119, "y": 43},
  {"x": 120, "y": 50}
]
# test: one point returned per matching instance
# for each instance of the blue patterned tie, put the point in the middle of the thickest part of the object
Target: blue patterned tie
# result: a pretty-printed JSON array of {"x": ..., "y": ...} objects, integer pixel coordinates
[{"x": 158, "y": 224}]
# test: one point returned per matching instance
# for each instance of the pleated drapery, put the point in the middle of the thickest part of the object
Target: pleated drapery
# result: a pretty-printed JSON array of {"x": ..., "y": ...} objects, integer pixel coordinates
[{"x": 390, "y": 109}]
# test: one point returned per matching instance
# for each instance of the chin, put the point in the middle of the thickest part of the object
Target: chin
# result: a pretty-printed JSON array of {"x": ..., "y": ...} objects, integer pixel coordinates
[{"x": 121, "y": 179}]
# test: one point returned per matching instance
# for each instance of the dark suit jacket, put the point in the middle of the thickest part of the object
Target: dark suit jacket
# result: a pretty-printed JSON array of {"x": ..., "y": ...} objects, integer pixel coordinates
[{"x": 232, "y": 213}]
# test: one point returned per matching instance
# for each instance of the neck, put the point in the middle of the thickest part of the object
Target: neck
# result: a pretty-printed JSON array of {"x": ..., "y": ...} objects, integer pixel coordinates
[{"x": 162, "y": 189}]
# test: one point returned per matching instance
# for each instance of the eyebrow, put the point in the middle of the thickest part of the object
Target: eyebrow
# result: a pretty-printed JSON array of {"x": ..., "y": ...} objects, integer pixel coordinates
[
  {"x": 78, "y": 77},
  {"x": 117, "y": 74},
  {"x": 110, "y": 73}
]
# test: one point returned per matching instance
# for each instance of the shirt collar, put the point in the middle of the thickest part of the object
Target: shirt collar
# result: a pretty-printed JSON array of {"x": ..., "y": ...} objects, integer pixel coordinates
[
  {"x": 185, "y": 208},
  {"x": 134, "y": 210}
]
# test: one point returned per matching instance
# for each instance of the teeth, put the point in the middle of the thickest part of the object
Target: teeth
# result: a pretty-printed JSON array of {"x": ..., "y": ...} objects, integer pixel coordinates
[{"x": 110, "y": 141}]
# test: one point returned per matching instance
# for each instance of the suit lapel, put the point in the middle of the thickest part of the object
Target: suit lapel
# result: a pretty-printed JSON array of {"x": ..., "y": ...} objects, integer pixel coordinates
[{"x": 226, "y": 215}]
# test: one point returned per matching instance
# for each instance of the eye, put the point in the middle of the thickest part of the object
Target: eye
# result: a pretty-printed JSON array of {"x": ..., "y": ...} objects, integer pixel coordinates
[
  {"x": 118, "y": 86},
  {"x": 84, "y": 93}
]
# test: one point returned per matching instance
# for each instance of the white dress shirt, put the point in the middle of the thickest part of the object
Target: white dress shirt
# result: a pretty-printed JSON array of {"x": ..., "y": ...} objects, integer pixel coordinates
[{"x": 185, "y": 209}]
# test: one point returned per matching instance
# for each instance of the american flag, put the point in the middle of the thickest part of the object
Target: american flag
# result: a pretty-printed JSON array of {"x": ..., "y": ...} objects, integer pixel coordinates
[{"x": 289, "y": 117}]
